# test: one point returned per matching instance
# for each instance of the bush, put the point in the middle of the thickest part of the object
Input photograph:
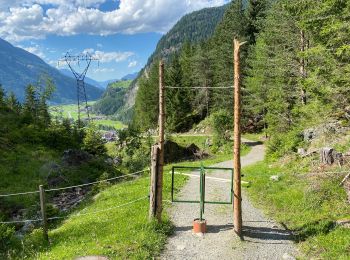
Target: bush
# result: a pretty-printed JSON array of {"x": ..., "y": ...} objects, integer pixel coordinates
[
  {"x": 93, "y": 142},
  {"x": 6, "y": 236},
  {"x": 221, "y": 121}
]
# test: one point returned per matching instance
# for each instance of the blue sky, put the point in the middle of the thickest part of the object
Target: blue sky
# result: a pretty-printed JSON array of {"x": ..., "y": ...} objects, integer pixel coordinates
[{"x": 121, "y": 33}]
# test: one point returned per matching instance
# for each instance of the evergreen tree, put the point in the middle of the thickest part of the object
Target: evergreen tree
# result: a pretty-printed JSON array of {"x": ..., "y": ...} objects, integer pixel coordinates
[
  {"x": 93, "y": 142},
  {"x": 2, "y": 97},
  {"x": 30, "y": 107},
  {"x": 178, "y": 105},
  {"x": 13, "y": 103},
  {"x": 146, "y": 102},
  {"x": 256, "y": 13}
]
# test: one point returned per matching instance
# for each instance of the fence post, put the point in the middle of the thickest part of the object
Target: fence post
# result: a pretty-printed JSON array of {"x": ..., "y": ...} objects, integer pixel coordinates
[
  {"x": 237, "y": 199},
  {"x": 159, "y": 207},
  {"x": 43, "y": 212},
  {"x": 154, "y": 176}
]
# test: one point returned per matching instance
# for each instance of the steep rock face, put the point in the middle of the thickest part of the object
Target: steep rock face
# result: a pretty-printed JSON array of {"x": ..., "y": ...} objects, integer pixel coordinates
[
  {"x": 194, "y": 27},
  {"x": 18, "y": 68}
]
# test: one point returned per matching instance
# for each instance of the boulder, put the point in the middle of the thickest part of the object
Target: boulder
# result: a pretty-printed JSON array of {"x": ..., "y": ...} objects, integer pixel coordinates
[
  {"x": 73, "y": 157},
  {"x": 274, "y": 178}
]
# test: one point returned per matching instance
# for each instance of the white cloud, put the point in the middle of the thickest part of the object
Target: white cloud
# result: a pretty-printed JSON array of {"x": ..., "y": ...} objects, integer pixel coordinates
[
  {"x": 105, "y": 57},
  {"x": 28, "y": 20},
  {"x": 112, "y": 56},
  {"x": 34, "y": 50},
  {"x": 132, "y": 64},
  {"x": 102, "y": 70}
]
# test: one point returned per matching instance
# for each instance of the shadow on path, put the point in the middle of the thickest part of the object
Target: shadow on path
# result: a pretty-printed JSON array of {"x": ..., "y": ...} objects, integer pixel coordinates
[{"x": 265, "y": 233}]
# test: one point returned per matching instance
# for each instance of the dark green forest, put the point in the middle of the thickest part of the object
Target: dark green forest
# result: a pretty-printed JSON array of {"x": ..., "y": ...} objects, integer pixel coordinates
[{"x": 295, "y": 68}]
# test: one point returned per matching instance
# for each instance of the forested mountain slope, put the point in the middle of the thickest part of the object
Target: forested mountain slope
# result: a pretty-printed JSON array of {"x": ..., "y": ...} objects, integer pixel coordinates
[
  {"x": 192, "y": 28},
  {"x": 18, "y": 68}
]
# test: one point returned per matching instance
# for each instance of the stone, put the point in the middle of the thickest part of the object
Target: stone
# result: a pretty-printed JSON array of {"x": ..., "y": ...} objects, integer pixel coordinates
[
  {"x": 287, "y": 256},
  {"x": 343, "y": 223},
  {"x": 72, "y": 157},
  {"x": 301, "y": 151},
  {"x": 274, "y": 178}
]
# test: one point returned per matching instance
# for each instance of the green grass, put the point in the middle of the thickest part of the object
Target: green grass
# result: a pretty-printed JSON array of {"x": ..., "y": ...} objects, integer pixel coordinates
[
  {"x": 120, "y": 84},
  {"x": 309, "y": 206},
  {"x": 122, "y": 233},
  {"x": 71, "y": 111},
  {"x": 22, "y": 170}
]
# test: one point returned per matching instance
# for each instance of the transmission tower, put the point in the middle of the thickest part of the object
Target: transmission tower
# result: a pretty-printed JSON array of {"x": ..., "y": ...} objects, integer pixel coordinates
[{"x": 71, "y": 61}]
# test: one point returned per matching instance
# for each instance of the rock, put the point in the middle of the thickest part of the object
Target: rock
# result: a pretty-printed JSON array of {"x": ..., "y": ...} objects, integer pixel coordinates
[
  {"x": 287, "y": 256},
  {"x": 193, "y": 148},
  {"x": 301, "y": 151},
  {"x": 329, "y": 156},
  {"x": 27, "y": 227},
  {"x": 73, "y": 157},
  {"x": 208, "y": 142},
  {"x": 49, "y": 168},
  {"x": 109, "y": 161},
  {"x": 343, "y": 223},
  {"x": 274, "y": 178},
  {"x": 326, "y": 155},
  {"x": 117, "y": 161}
]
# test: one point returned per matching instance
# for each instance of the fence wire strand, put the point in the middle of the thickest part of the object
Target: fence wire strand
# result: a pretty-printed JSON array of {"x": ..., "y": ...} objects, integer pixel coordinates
[
  {"x": 76, "y": 186},
  {"x": 95, "y": 182},
  {"x": 76, "y": 215}
]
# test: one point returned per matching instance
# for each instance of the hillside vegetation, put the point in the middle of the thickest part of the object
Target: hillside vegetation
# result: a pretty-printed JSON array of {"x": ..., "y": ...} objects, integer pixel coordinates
[
  {"x": 20, "y": 68},
  {"x": 295, "y": 70},
  {"x": 113, "y": 98},
  {"x": 192, "y": 28}
]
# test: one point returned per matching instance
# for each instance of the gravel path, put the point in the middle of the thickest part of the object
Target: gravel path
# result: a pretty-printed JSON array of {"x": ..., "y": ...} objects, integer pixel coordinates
[{"x": 263, "y": 238}]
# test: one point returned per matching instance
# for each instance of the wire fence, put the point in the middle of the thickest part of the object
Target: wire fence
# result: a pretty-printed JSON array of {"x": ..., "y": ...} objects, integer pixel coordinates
[
  {"x": 76, "y": 215},
  {"x": 134, "y": 174},
  {"x": 76, "y": 186}
]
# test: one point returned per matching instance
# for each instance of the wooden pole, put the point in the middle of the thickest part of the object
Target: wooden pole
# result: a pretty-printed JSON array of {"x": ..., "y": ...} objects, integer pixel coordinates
[
  {"x": 237, "y": 200},
  {"x": 43, "y": 212},
  {"x": 153, "y": 188},
  {"x": 161, "y": 141}
]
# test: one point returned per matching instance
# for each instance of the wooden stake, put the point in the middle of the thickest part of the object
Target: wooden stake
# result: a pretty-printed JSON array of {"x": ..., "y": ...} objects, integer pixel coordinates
[
  {"x": 43, "y": 212},
  {"x": 161, "y": 141},
  {"x": 153, "y": 188},
  {"x": 237, "y": 200}
]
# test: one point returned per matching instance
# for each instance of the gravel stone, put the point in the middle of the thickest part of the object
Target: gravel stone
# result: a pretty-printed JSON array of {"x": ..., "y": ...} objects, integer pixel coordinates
[{"x": 262, "y": 238}]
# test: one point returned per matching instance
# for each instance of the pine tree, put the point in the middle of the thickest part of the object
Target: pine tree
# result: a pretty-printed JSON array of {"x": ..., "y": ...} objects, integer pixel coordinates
[
  {"x": 146, "y": 102},
  {"x": 256, "y": 13},
  {"x": 2, "y": 97},
  {"x": 13, "y": 103},
  {"x": 30, "y": 108},
  {"x": 178, "y": 105}
]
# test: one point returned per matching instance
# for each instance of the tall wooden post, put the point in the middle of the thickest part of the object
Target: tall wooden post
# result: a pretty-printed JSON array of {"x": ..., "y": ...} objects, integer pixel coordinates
[
  {"x": 153, "y": 188},
  {"x": 161, "y": 141},
  {"x": 43, "y": 212},
  {"x": 237, "y": 200}
]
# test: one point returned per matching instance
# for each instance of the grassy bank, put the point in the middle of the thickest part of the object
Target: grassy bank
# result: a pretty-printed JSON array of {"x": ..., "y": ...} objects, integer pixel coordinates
[
  {"x": 120, "y": 233},
  {"x": 308, "y": 204}
]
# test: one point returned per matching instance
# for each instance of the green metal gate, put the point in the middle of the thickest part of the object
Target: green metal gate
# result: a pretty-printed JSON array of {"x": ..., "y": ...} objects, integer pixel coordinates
[{"x": 202, "y": 177}]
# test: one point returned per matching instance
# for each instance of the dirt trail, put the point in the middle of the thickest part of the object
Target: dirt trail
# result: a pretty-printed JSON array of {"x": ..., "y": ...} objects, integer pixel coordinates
[{"x": 263, "y": 238}]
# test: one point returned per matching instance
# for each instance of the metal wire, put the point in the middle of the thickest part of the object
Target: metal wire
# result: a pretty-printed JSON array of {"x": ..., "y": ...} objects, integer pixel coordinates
[
  {"x": 20, "y": 221},
  {"x": 95, "y": 182},
  {"x": 21, "y": 193},
  {"x": 103, "y": 210},
  {"x": 77, "y": 215},
  {"x": 76, "y": 186}
]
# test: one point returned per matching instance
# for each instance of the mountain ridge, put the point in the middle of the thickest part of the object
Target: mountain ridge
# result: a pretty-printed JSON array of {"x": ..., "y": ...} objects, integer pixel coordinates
[{"x": 20, "y": 68}]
